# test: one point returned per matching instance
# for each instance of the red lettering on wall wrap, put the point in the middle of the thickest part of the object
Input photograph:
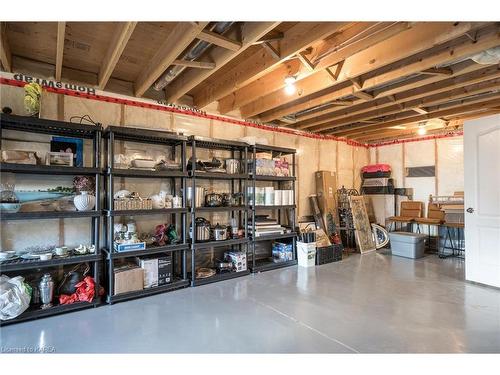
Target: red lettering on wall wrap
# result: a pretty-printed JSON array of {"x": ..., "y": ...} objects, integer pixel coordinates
[{"x": 134, "y": 103}]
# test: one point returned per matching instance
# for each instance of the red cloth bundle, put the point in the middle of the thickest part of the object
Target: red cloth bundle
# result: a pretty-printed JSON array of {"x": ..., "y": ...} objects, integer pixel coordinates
[{"x": 85, "y": 291}]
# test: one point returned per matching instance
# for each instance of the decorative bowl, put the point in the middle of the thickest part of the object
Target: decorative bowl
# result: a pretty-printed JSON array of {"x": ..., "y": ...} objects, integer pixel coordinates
[{"x": 143, "y": 163}]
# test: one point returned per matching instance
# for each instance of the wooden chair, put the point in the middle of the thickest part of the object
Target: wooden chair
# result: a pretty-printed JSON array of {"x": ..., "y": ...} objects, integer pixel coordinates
[
  {"x": 435, "y": 217},
  {"x": 409, "y": 211}
]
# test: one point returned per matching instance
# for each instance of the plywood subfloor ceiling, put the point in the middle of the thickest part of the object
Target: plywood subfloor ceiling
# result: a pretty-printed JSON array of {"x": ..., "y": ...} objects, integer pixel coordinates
[{"x": 367, "y": 81}]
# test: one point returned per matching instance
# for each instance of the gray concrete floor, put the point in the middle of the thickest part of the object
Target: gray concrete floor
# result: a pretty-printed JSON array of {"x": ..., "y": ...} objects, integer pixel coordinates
[{"x": 373, "y": 303}]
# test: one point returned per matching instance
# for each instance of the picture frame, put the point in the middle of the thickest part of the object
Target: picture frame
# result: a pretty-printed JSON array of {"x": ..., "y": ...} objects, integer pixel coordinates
[
  {"x": 60, "y": 159},
  {"x": 66, "y": 144}
]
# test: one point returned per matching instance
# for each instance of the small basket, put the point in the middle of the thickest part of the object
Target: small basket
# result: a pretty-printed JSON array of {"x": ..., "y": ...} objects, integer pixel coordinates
[{"x": 328, "y": 254}]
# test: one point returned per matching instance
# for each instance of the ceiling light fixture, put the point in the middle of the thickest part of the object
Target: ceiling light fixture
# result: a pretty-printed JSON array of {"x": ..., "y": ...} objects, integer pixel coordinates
[
  {"x": 421, "y": 128},
  {"x": 290, "y": 85}
]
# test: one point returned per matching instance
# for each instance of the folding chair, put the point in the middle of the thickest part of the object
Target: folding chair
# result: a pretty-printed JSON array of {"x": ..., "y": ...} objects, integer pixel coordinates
[{"x": 409, "y": 211}]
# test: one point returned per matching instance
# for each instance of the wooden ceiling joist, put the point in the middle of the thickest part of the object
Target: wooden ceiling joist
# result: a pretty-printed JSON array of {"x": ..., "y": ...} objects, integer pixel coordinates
[
  {"x": 294, "y": 40},
  {"x": 278, "y": 105},
  {"x": 415, "y": 105},
  {"x": 219, "y": 40},
  {"x": 331, "y": 72},
  {"x": 118, "y": 43},
  {"x": 61, "y": 31},
  {"x": 272, "y": 36},
  {"x": 363, "y": 95},
  {"x": 465, "y": 73},
  {"x": 420, "y": 110},
  {"x": 357, "y": 83},
  {"x": 250, "y": 33},
  {"x": 273, "y": 51},
  {"x": 305, "y": 61},
  {"x": 348, "y": 43},
  {"x": 5, "y": 54},
  {"x": 194, "y": 64},
  {"x": 465, "y": 106},
  {"x": 178, "y": 40},
  {"x": 259, "y": 87},
  {"x": 438, "y": 71}
]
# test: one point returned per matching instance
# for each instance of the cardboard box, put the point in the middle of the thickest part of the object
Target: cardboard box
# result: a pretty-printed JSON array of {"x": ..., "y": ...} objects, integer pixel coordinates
[
  {"x": 157, "y": 270},
  {"x": 238, "y": 258},
  {"x": 128, "y": 279},
  {"x": 165, "y": 270},
  {"x": 282, "y": 252},
  {"x": 150, "y": 267},
  {"x": 326, "y": 189}
]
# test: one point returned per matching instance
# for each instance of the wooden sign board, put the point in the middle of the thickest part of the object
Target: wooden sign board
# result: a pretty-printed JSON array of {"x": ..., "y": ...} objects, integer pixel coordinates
[{"x": 363, "y": 229}]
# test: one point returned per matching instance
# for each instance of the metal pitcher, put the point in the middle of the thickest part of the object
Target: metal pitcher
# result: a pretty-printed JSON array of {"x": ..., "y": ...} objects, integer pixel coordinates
[{"x": 46, "y": 288}]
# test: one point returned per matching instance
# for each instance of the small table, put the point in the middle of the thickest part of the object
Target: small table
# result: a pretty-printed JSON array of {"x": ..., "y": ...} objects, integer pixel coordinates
[{"x": 456, "y": 237}]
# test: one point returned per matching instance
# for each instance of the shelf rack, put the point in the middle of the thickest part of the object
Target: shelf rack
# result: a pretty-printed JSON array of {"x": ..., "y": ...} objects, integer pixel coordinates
[
  {"x": 239, "y": 151},
  {"x": 177, "y": 146},
  {"x": 51, "y": 127},
  {"x": 261, "y": 265}
]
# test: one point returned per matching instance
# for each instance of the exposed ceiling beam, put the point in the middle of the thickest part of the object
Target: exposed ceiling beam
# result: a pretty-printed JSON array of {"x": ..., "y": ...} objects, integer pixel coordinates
[
  {"x": 273, "y": 51},
  {"x": 119, "y": 41},
  {"x": 371, "y": 34},
  {"x": 415, "y": 105},
  {"x": 357, "y": 82},
  {"x": 250, "y": 33},
  {"x": 177, "y": 41},
  {"x": 438, "y": 71},
  {"x": 305, "y": 61},
  {"x": 487, "y": 101},
  {"x": 465, "y": 73},
  {"x": 259, "y": 87},
  {"x": 400, "y": 134},
  {"x": 261, "y": 63},
  {"x": 61, "y": 30},
  {"x": 281, "y": 105},
  {"x": 272, "y": 36},
  {"x": 363, "y": 95},
  {"x": 246, "y": 94},
  {"x": 219, "y": 40},
  {"x": 5, "y": 54},
  {"x": 420, "y": 110},
  {"x": 457, "y": 122},
  {"x": 194, "y": 64}
]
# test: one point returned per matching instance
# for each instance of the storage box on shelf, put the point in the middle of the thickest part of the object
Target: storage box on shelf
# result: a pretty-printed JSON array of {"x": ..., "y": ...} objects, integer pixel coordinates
[
  {"x": 133, "y": 250},
  {"x": 232, "y": 175},
  {"x": 274, "y": 167},
  {"x": 70, "y": 258}
]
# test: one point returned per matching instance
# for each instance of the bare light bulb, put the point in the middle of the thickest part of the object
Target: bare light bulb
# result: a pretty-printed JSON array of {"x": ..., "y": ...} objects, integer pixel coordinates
[
  {"x": 421, "y": 130},
  {"x": 290, "y": 89}
]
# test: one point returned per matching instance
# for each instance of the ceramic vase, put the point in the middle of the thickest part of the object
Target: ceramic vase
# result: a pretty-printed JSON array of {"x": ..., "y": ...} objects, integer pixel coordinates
[{"x": 84, "y": 201}]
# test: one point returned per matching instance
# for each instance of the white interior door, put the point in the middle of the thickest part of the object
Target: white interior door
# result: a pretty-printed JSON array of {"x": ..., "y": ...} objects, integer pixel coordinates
[{"x": 482, "y": 200}]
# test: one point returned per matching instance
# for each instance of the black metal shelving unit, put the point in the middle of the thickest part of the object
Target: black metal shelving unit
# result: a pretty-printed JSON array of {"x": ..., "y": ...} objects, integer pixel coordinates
[
  {"x": 73, "y": 130},
  {"x": 176, "y": 143},
  {"x": 237, "y": 150},
  {"x": 261, "y": 265}
]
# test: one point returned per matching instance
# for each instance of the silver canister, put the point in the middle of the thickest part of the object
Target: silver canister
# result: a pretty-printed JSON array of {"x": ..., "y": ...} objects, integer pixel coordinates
[
  {"x": 46, "y": 288},
  {"x": 200, "y": 196}
]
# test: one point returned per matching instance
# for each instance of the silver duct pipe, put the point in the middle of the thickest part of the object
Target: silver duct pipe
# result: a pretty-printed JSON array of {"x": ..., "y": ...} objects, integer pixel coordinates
[{"x": 195, "y": 52}]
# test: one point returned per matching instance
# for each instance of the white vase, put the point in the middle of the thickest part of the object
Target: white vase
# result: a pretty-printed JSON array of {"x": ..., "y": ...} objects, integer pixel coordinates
[{"x": 84, "y": 201}]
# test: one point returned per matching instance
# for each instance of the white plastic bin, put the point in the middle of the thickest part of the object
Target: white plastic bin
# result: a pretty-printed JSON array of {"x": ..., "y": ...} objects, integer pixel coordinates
[{"x": 306, "y": 254}]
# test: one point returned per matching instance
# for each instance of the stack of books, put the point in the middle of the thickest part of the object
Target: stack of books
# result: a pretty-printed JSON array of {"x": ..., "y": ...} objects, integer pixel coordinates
[{"x": 266, "y": 226}]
